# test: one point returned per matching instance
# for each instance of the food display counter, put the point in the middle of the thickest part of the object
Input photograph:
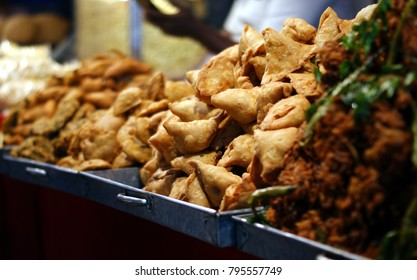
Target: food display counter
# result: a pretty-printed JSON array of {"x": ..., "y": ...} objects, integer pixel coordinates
[
  {"x": 291, "y": 144},
  {"x": 120, "y": 190}
]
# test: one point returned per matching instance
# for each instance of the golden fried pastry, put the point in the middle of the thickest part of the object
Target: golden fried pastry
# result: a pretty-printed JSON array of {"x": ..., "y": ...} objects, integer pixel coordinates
[
  {"x": 328, "y": 27},
  {"x": 52, "y": 92},
  {"x": 237, "y": 195},
  {"x": 164, "y": 143},
  {"x": 65, "y": 110},
  {"x": 299, "y": 30},
  {"x": 177, "y": 90},
  {"x": 283, "y": 55},
  {"x": 215, "y": 180},
  {"x": 240, "y": 104},
  {"x": 101, "y": 99},
  {"x": 155, "y": 89},
  {"x": 227, "y": 130},
  {"x": 192, "y": 77},
  {"x": 305, "y": 84},
  {"x": 130, "y": 143},
  {"x": 191, "y": 109},
  {"x": 183, "y": 162},
  {"x": 192, "y": 137},
  {"x": 288, "y": 112},
  {"x": 218, "y": 74},
  {"x": 69, "y": 162},
  {"x": 179, "y": 189},
  {"x": 149, "y": 107},
  {"x": 271, "y": 153},
  {"x": 93, "y": 164},
  {"x": 268, "y": 95},
  {"x": 92, "y": 84},
  {"x": 258, "y": 63},
  {"x": 95, "y": 67},
  {"x": 127, "y": 99},
  {"x": 126, "y": 66},
  {"x": 251, "y": 44},
  {"x": 122, "y": 160},
  {"x": 151, "y": 166},
  {"x": 38, "y": 148},
  {"x": 46, "y": 109},
  {"x": 239, "y": 153},
  {"x": 190, "y": 190},
  {"x": 161, "y": 181},
  {"x": 107, "y": 121},
  {"x": 100, "y": 145}
]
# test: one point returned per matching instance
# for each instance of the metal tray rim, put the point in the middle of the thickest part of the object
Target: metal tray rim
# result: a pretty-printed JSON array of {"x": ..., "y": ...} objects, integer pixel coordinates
[{"x": 243, "y": 219}]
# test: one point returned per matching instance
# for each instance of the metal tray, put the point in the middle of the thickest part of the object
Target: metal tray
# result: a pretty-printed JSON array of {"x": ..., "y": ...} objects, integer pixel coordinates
[
  {"x": 211, "y": 226},
  {"x": 121, "y": 190},
  {"x": 270, "y": 243},
  {"x": 40, "y": 173}
]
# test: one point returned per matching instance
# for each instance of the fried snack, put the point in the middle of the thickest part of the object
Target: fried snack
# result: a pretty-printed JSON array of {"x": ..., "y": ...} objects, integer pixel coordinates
[
  {"x": 126, "y": 66},
  {"x": 69, "y": 162},
  {"x": 299, "y": 30},
  {"x": 151, "y": 166},
  {"x": 47, "y": 109},
  {"x": 130, "y": 143},
  {"x": 227, "y": 130},
  {"x": 191, "y": 109},
  {"x": 237, "y": 195},
  {"x": 101, "y": 99},
  {"x": 122, "y": 160},
  {"x": 127, "y": 99},
  {"x": 251, "y": 53},
  {"x": 288, "y": 112},
  {"x": 98, "y": 138},
  {"x": 49, "y": 93},
  {"x": 66, "y": 109},
  {"x": 268, "y": 95},
  {"x": 93, "y": 164},
  {"x": 162, "y": 181},
  {"x": 271, "y": 153},
  {"x": 283, "y": 55},
  {"x": 329, "y": 27},
  {"x": 239, "y": 153},
  {"x": 149, "y": 107},
  {"x": 155, "y": 89},
  {"x": 183, "y": 162},
  {"x": 164, "y": 143},
  {"x": 37, "y": 148},
  {"x": 305, "y": 84},
  {"x": 177, "y": 90},
  {"x": 215, "y": 180},
  {"x": 194, "y": 136},
  {"x": 190, "y": 190},
  {"x": 179, "y": 189},
  {"x": 240, "y": 104},
  {"x": 218, "y": 74}
]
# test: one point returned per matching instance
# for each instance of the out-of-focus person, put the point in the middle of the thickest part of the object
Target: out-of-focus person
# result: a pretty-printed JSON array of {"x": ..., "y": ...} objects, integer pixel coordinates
[{"x": 259, "y": 14}]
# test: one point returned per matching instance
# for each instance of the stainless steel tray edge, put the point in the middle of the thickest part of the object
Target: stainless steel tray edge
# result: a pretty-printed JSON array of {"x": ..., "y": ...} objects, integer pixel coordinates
[
  {"x": 269, "y": 243},
  {"x": 211, "y": 226},
  {"x": 43, "y": 174}
]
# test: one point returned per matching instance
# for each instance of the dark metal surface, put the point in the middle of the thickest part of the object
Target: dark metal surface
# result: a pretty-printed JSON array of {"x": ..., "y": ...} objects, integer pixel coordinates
[
  {"x": 270, "y": 243},
  {"x": 43, "y": 174},
  {"x": 199, "y": 222}
]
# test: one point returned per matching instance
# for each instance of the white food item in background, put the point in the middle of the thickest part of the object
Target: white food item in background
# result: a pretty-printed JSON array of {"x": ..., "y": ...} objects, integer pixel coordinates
[{"x": 25, "y": 70}]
